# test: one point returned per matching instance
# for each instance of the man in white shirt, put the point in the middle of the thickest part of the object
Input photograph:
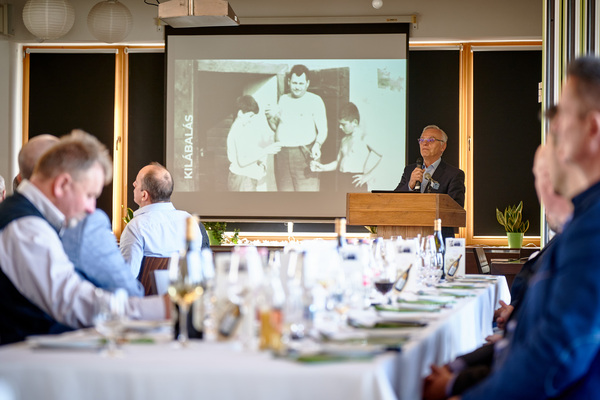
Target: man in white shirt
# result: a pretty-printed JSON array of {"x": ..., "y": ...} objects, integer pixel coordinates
[
  {"x": 40, "y": 292},
  {"x": 157, "y": 228},
  {"x": 300, "y": 125}
]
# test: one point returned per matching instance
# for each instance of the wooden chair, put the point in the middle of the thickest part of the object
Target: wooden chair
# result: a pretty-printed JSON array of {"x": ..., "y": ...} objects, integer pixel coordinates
[
  {"x": 483, "y": 266},
  {"x": 146, "y": 276}
]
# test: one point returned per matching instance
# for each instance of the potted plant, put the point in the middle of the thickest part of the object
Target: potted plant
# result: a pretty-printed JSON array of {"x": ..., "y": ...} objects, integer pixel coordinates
[
  {"x": 512, "y": 221},
  {"x": 372, "y": 230},
  {"x": 216, "y": 232}
]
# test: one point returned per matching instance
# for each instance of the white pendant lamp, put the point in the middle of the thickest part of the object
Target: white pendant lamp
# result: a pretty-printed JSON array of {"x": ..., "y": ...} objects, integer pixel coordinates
[
  {"x": 48, "y": 19},
  {"x": 110, "y": 21}
]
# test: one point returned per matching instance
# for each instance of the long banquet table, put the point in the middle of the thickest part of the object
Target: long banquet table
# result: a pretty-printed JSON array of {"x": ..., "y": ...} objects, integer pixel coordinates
[{"x": 220, "y": 371}]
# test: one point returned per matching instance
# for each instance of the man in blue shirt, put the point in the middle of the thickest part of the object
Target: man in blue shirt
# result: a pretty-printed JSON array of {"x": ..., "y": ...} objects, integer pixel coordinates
[
  {"x": 93, "y": 248},
  {"x": 554, "y": 349}
]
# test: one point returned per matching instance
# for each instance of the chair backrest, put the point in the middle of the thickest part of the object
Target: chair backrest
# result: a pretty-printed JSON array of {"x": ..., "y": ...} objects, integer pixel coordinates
[
  {"x": 146, "y": 276},
  {"x": 483, "y": 266}
]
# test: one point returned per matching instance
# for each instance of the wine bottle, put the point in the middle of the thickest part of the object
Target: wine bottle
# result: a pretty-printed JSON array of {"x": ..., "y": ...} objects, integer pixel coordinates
[
  {"x": 230, "y": 320},
  {"x": 439, "y": 244},
  {"x": 402, "y": 279},
  {"x": 454, "y": 266},
  {"x": 190, "y": 261},
  {"x": 340, "y": 230}
]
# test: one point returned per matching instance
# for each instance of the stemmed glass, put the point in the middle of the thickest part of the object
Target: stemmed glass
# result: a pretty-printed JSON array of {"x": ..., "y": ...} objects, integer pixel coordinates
[
  {"x": 431, "y": 262},
  {"x": 109, "y": 315},
  {"x": 185, "y": 286},
  {"x": 385, "y": 274},
  {"x": 244, "y": 278}
]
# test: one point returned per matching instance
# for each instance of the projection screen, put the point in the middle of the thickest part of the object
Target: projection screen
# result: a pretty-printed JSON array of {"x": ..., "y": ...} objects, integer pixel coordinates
[{"x": 283, "y": 121}]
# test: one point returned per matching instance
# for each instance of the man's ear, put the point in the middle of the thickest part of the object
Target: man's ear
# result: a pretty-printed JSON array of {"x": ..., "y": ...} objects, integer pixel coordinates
[
  {"x": 145, "y": 196},
  {"x": 593, "y": 129},
  {"x": 60, "y": 184}
]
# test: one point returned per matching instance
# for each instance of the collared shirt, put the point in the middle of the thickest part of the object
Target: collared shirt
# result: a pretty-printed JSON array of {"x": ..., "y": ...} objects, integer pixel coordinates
[
  {"x": 32, "y": 257},
  {"x": 92, "y": 248},
  {"x": 428, "y": 170},
  {"x": 156, "y": 230}
]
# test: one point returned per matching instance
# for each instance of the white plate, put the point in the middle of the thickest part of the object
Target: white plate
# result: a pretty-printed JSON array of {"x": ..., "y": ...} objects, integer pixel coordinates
[{"x": 77, "y": 340}]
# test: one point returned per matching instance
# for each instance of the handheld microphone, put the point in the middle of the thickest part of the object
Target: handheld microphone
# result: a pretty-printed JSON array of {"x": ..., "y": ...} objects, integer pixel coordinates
[{"x": 420, "y": 165}]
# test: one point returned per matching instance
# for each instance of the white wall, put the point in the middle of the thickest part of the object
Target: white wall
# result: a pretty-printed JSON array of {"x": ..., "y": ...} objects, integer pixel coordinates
[{"x": 460, "y": 20}]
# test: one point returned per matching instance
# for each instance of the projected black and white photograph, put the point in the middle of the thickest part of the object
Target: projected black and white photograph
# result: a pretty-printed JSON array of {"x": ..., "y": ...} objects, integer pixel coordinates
[{"x": 286, "y": 125}]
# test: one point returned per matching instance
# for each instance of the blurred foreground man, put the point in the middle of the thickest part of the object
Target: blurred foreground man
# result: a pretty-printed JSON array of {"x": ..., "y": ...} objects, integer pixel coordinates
[
  {"x": 554, "y": 350},
  {"x": 40, "y": 292},
  {"x": 91, "y": 245},
  {"x": 2, "y": 189}
]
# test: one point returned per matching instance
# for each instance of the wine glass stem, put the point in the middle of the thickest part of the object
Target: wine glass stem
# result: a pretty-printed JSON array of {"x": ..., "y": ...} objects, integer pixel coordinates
[{"x": 183, "y": 329}]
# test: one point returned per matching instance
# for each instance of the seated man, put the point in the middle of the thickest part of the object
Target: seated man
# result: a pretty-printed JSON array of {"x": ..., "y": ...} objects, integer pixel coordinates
[
  {"x": 454, "y": 378},
  {"x": 91, "y": 245},
  {"x": 157, "y": 228},
  {"x": 93, "y": 248},
  {"x": 40, "y": 292}
]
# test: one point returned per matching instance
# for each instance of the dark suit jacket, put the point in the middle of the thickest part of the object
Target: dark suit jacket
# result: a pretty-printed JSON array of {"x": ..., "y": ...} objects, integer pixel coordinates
[
  {"x": 452, "y": 183},
  {"x": 479, "y": 362},
  {"x": 451, "y": 180}
]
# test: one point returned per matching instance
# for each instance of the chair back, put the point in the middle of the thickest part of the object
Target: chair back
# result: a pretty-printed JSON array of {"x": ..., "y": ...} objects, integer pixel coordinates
[
  {"x": 146, "y": 277},
  {"x": 483, "y": 267}
]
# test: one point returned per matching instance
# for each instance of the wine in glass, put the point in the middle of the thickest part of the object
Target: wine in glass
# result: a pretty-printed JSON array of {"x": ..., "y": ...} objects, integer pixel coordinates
[
  {"x": 386, "y": 275},
  {"x": 185, "y": 280}
]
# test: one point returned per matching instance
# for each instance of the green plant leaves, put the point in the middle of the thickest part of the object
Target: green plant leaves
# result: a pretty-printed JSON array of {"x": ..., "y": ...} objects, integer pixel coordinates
[
  {"x": 512, "y": 219},
  {"x": 128, "y": 214},
  {"x": 218, "y": 228}
]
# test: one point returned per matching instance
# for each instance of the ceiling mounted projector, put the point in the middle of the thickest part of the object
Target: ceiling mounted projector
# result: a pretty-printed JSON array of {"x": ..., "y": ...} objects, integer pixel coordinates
[{"x": 197, "y": 13}]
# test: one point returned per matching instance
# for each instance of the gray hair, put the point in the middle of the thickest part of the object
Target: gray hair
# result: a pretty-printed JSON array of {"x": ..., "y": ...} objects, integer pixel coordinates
[{"x": 444, "y": 136}]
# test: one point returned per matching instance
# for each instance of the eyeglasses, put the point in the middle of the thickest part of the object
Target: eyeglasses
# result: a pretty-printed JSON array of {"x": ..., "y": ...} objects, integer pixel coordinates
[{"x": 429, "y": 140}]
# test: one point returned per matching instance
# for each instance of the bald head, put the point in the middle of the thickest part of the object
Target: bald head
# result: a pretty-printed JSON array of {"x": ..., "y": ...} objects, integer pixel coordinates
[
  {"x": 32, "y": 151},
  {"x": 153, "y": 184}
]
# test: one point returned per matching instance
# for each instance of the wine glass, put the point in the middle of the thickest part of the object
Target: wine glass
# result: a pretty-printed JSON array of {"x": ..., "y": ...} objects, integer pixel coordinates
[
  {"x": 432, "y": 262},
  {"x": 185, "y": 286},
  {"x": 109, "y": 315},
  {"x": 385, "y": 274},
  {"x": 244, "y": 278}
]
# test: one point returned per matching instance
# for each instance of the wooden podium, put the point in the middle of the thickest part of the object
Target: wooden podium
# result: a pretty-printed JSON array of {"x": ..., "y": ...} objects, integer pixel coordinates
[{"x": 403, "y": 214}]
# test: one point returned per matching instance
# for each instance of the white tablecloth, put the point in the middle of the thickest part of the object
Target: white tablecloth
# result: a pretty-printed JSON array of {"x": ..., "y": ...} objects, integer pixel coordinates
[{"x": 219, "y": 371}]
